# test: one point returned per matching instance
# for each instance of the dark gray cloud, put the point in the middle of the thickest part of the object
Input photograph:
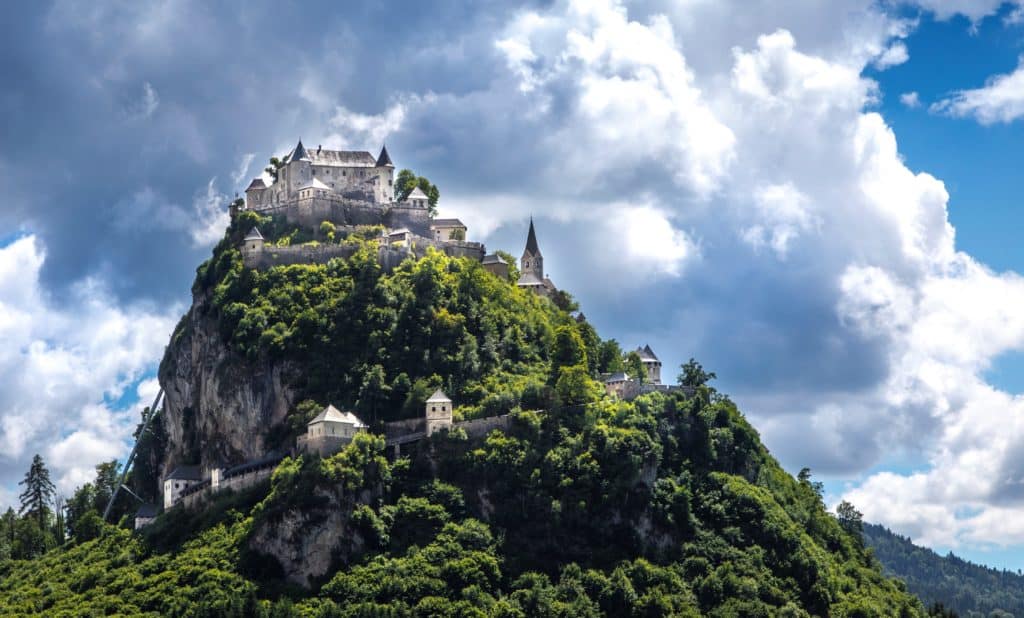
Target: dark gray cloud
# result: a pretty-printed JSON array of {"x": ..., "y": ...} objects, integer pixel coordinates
[{"x": 108, "y": 101}]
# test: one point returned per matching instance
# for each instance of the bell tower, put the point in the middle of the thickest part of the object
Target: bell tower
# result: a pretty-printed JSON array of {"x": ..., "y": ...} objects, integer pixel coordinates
[{"x": 532, "y": 261}]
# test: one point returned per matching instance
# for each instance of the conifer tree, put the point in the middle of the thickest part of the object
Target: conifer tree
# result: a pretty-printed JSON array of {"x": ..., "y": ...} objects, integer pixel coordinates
[{"x": 38, "y": 491}]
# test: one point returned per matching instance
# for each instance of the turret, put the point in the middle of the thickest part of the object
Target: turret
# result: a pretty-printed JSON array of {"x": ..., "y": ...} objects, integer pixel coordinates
[
  {"x": 386, "y": 176},
  {"x": 254, "y": 194},
  {"x": 253, "y": 243},
  {"x": 384, "y": 160},
  {"x": 418, "y": 198},
  {"x": 299, "y": 170},
  {"x": 652, "y": 364},
  {"x": 439, "y": 412}
]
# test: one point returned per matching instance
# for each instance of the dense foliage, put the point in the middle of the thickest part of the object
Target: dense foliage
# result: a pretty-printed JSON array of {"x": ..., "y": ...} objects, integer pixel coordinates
[
  {"x": 586, "y": 506},
  {"x": 378, "y": 342},
  {"x": 969, "y": 589}
]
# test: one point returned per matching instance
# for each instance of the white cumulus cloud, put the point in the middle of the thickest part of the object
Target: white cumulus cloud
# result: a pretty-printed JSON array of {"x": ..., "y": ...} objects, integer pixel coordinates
[
  {"x": 64, "y": 363},
  {"x": 1001, "y": 99}
]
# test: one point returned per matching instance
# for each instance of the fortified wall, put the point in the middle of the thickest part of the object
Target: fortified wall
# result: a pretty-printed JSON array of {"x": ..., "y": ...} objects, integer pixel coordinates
[
  {"x": 390, "y": 256},
  {"x": 311, "y": 211}
]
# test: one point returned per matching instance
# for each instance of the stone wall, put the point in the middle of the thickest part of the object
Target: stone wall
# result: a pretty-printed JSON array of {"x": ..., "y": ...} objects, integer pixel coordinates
[
  {"x": 482, "y": 426},
  {"x": 269, "y": 256},
  {"x": 235, "y": 482},
  {"x": 311, "y": 211},
  {"x": 321, "y": 445},
  {"x": 397, "y": 429}
]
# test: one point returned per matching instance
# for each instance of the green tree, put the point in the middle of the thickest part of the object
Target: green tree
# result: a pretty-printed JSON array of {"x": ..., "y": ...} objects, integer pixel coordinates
[
  {"x": 693, "y": 374},
  {"x": 569, "y": 349},
  {"x": 38, "y": 494},
  {"x": 275, "y": 166},
  {"x": 373, "y": 394},
  {"x": 804, "y": 477},
  {"x": 575, "y": 387},
  {"x": 8, "y": 523},
  {"x": 408, "y": 180},
  {"x": 513, "y": 264},
  {"x": 634, "y": 366},
  {"x": 850, "y": 519},
  {"x": 108, "y": 474},
  {"x": 609, "y": 357}
]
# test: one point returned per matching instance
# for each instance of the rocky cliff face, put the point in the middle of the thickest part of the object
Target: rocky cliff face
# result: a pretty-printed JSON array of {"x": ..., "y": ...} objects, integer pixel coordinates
[
  {"x": 308, "y": 542},
  {"x": 220, "y": 407}
]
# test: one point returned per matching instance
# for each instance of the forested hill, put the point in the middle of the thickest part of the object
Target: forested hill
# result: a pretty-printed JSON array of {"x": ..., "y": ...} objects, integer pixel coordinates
[
  {"x": 968, "y": 589},
  {"x": 585, "y": 505}
]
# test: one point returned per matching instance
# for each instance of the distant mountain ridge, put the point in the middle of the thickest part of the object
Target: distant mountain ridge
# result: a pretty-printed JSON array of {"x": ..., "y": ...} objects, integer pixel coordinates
[{"x": 965, "y": 587}]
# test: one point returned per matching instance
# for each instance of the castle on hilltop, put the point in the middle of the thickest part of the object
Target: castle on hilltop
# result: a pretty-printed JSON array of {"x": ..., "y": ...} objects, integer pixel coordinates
[
  {"x": 327, "y": 174},
  {"x": 350, "y": 189},
  {"x": 328, "y": 193}
]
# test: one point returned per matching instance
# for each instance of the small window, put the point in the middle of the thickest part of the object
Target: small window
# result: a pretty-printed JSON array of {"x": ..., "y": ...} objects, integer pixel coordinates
[{"x": 433, "y": 408}]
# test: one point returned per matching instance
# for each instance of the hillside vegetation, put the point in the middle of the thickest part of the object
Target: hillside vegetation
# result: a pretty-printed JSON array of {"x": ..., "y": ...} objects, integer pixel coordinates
[
  {"x": 971, "y": 590},
  {"x": 668, "y": 505}
]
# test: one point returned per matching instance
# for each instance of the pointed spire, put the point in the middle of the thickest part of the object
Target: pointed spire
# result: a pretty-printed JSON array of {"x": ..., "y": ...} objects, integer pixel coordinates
[
  {"x": 299, "y": 152},
  {"x": 384, "y": 160},
  {"x": 531, "y": 240}
]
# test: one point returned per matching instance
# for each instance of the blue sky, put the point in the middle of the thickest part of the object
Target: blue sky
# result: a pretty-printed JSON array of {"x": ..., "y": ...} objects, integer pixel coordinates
[{"x": 749, "y": 183}]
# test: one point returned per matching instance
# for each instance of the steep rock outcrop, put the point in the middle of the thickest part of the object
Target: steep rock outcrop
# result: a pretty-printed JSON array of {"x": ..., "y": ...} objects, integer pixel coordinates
[
  {"x": 308, "y": 542},
  {"x": 219, "y": 406}
]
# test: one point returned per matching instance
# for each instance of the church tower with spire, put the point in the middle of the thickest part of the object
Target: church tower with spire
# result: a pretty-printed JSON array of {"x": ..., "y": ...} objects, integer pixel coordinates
[
  {"x": 531, "y": 267},
  {"x": 532, "y": 260}
]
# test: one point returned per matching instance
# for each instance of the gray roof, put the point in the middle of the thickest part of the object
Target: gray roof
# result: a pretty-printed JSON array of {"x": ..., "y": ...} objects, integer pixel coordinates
[
  {"x": 315, "y": 183},
  {"x": 333, "y": 415},
  {"x": 146, "y": 510},
  {"x": 299, "y": 153},
  {"x": 254, "y": 234},
  {"x": 439, "y": 397},
  {"x": 186, "y": 473},
  {"x": 493, "y": 258},
  {"x": 446, "y": 222},
  {"x": 531, "y": 241},
  {"x": 417, "y": 194},
  {"x": 529, "y": 279},
  {"x": 384, "y": 160},
  {"x": 647, "y": 354},
  {"x": 341, "y": 158},
  {"x": 617, "y": 377},
  {"x": 257, "y": 183}
]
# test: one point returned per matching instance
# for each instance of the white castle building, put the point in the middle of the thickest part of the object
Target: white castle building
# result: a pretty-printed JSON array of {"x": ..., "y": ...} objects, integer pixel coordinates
[{"x": 325, "y": 174}]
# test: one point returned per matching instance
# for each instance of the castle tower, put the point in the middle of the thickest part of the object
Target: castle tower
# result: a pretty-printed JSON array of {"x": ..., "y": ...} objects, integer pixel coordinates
[
  {"x": 252, "y": 248},
  {"x": 651, "y": 363},
  {"x": 532, "y": 261},
  {"x": 386, "y": 176},
  {"x": 439, "y": 412},
  {"x": 299, "y": 170}
]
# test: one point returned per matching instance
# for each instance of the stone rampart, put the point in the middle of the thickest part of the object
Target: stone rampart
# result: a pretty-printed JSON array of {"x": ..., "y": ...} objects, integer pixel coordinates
[
  {"x": 270, "y": 256},
  {"x": 236, "y": 479},
  {"x": 482, "y": 426},
  {"x": 311, "y": 211},
  {"x": 397, "y": 429},
  {"x": 321, "y": 445}
]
